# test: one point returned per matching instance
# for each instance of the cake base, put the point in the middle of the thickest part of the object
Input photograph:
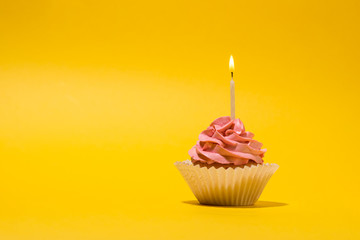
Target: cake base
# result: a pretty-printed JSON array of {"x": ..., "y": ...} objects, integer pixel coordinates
[{"x": 239, "y": 186}]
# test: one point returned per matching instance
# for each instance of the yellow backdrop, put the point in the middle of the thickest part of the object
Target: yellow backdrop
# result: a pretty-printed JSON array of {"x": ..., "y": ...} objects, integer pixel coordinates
[{"x": 98, "y": 99}]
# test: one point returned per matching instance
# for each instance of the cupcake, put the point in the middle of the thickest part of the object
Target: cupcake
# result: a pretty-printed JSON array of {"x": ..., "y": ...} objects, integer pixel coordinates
[{"x": 227, "y": 166}]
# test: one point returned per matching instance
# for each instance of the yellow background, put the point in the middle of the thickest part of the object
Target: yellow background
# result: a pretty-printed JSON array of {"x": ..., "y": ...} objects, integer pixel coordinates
[{"x": 98, "y": 99}]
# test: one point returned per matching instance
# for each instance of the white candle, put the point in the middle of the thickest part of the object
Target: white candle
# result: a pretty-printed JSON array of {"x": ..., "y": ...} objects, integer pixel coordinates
[{"x": 232, "y": 87}]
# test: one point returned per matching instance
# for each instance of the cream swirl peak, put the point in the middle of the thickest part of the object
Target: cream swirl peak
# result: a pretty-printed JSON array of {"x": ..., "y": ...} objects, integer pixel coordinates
[{"x": 227, "y": 142}]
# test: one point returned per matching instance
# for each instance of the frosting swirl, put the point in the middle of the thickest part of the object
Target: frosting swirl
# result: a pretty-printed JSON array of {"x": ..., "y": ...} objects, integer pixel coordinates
[{"x": 225, "y": 141}]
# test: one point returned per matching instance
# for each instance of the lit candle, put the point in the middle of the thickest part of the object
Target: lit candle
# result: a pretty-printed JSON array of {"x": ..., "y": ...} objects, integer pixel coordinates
[{"x": 232, "y": 87}]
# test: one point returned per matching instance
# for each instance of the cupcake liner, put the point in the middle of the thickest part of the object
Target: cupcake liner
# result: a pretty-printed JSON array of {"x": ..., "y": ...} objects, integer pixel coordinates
[{"x": 226, "y": 187}]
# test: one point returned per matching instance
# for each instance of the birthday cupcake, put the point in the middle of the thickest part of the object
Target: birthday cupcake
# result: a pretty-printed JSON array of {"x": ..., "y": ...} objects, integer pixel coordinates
[{"x": 227, "y": 166}]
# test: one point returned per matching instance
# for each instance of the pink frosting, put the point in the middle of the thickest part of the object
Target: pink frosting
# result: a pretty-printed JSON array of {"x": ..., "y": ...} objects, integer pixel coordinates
[{"x": 227, "y": 142}]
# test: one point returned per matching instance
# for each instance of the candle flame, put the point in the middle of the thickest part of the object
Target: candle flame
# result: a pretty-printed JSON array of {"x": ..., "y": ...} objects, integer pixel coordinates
[{"x": 231, "y": 64}]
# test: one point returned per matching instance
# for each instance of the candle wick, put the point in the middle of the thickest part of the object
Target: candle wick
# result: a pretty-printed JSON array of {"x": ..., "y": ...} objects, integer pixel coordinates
[{"x": 232, "y": 74}]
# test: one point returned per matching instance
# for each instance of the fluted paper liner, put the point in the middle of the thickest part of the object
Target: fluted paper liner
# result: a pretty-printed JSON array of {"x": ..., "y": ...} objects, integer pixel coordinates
[{"x": 227, "y": 187}]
